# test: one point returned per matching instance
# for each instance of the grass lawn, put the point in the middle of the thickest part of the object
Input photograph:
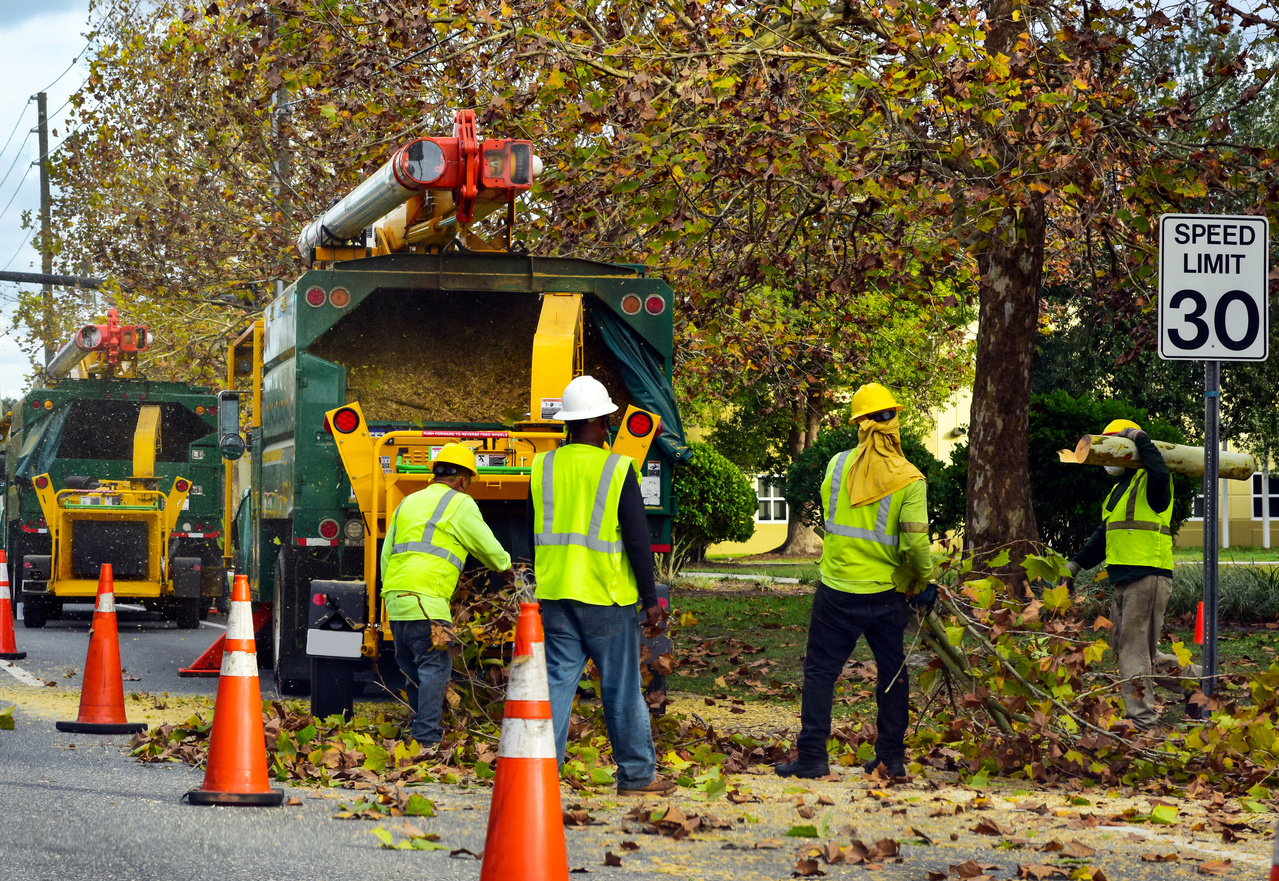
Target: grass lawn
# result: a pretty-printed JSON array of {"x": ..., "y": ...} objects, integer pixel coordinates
[
  {"x": 1227, "y": 555},
  {"x": 740, "y": 647}
]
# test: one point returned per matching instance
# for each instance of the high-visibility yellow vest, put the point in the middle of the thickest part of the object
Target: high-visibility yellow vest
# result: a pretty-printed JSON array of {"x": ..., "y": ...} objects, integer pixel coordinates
[
  {"x": 1136, "y": 534},
  {"x": 577, "y": 539},
  {"x": 860, "y": 544},
  {"x": 426, "y": 559}
]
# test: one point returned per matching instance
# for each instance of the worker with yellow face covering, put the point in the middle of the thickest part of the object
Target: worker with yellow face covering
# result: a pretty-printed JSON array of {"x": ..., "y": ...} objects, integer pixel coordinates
[{"x": 875, "y": 505}]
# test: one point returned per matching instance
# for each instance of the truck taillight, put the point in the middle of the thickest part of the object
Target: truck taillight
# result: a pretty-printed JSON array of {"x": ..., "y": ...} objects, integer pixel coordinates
[
  {"x": 354, "y": 529},
  {"x": 315, "y": 296},
  {"x": 639, "y": 424},
  {"x": 631, "y": 304},
  {"x": 346, "y": 420},
  {"x": 655, "y": 305},
  {"x": 339, "y": 298},
  {"x": 182, "y": 485},
  {"x": 329, "y": 528},
  {"x": 42, "y": 482}
]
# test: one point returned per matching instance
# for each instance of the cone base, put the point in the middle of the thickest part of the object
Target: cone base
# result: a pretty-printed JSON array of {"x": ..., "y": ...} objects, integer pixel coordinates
[
  {"x": 101, "y": 727},
  {"x": 270, "y": 798},
  {"x": 12, "y": 656},
  {"x": 210, "y": 674}
]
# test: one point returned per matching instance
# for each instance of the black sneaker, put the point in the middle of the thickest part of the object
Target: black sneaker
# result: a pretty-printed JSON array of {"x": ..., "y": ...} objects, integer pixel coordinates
[
  {"x": 893, "y": 768},
  {"x": 803, "y": 768}
]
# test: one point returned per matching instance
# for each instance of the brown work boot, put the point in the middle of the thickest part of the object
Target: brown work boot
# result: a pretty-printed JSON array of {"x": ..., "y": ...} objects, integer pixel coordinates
[{"x": 659, "y": 786}]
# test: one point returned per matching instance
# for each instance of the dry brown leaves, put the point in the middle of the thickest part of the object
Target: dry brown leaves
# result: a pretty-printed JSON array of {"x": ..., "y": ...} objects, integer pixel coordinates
[{"x": 670, "y": 822}]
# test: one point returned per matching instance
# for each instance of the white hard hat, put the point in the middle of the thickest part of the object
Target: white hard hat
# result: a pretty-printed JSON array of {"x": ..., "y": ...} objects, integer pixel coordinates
[{"x": 585, "y": 398}]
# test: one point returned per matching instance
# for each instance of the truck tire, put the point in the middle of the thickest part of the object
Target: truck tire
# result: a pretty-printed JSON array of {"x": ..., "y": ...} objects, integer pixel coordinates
[
  {"x": 332, "y": 687},
  {"x": 186, "y": 612},
  {"x": 34, "y": 611},
  {"x": 280, "y": 643}
]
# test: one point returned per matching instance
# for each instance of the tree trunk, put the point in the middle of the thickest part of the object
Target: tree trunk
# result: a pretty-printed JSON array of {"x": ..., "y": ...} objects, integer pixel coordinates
[
  {"x": 801, "y": 540},
  {"x": 999, "y": 511}
]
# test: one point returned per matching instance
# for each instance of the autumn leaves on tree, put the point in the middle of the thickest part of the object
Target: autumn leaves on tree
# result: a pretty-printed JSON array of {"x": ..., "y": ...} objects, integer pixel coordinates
[{"x": 827, "y": 185}]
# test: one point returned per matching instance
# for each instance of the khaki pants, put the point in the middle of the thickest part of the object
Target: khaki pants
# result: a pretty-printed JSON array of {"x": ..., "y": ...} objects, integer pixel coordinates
[{"x": 1138, "y": 611}]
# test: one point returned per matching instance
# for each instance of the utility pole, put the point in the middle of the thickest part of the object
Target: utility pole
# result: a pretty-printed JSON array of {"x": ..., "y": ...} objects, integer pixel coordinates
[{"x": 46, "y": 230}]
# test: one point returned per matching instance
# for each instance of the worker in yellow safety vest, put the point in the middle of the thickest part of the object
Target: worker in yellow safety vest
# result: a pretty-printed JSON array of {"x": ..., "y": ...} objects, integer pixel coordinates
[
  {"x": 427, "y": 542},
  {"x": 874, "y": 551},
  {"x": 593, "y": 563},
  {"x": 1135, "y": 541}
]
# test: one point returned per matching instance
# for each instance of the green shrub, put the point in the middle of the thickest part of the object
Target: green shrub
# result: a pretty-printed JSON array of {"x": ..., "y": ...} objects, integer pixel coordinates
[
  {"x": 1067, "y": 498},
  {"x": 805, "y": 474},
  {"x": 717, "y": 503},
  {"x": 1245, "y": 594}
]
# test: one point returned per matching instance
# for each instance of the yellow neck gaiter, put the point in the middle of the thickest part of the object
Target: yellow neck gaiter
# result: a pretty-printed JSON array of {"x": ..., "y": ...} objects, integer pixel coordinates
[{"x": 879, "y": 466}]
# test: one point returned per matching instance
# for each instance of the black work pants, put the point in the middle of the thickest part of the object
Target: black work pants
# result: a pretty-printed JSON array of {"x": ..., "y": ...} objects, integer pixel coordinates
[{"x": 837, "y": 620}]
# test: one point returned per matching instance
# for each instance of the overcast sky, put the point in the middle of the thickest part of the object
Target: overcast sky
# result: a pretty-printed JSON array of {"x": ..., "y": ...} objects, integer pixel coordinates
[{"x": 38, "y": 40}]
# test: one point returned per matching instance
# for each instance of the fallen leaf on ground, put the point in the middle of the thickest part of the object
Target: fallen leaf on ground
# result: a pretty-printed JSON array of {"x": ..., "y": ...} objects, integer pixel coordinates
[
  {"x": 1215, "y": 867},
  {"x": 612, "y": 859}
]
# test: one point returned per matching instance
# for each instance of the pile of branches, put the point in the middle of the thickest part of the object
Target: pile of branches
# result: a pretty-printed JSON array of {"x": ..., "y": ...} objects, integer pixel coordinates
[{"x": 1023, "y": 693}]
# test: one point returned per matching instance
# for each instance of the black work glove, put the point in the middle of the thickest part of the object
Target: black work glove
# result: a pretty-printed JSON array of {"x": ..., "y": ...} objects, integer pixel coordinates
[{"x": 924, "y": 600}]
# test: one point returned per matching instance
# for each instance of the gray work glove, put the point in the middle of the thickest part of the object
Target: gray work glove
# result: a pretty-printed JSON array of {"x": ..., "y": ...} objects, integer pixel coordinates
[
  {"x": 1131, "y": 433},
  {"x": 1073, "y": 568}
]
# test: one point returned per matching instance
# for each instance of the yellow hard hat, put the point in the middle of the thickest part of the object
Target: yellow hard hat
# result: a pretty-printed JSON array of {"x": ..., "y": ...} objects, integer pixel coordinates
[
  {"x": 871, "y": 398},
  {"x": 456, "y": 454},
  {"x": 1118, "y": 425}
]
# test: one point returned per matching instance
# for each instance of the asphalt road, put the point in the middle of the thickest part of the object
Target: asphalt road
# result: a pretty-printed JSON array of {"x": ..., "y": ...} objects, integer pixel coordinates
[{"x": 78, "y": 808}]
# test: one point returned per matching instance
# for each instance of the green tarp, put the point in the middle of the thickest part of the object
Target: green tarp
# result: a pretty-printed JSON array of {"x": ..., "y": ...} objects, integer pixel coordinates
[{"x": 642, "y": 372}]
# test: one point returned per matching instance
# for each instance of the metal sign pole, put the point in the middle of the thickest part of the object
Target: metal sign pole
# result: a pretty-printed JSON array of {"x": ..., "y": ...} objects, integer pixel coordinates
[{"x": 1212, "y": 446}]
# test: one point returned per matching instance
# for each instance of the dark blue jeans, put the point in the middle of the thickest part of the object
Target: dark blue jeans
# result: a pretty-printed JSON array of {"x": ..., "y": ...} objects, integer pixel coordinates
[
  {"x": 426, "y": 675},
  {"x": 609, "y": 636},
  {"x": 837, "y": 620}
]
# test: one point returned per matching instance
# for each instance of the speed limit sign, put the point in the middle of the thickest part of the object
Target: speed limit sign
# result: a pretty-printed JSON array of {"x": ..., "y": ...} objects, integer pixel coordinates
[{"x": 1213, "y": 287}]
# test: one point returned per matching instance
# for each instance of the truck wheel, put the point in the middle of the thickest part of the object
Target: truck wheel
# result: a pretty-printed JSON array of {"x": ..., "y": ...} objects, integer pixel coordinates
[
  {"x": 186, "y": 612},
  {"x": 34, "y": 612},
  {"x": 332, "y": 687}
]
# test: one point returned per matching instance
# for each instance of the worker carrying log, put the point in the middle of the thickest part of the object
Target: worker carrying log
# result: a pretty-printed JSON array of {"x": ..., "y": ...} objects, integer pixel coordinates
[
  {"x": 429, "y": 537},
  {"x": 1135, "y": 541},
  {"x": 876, "y": 522}
]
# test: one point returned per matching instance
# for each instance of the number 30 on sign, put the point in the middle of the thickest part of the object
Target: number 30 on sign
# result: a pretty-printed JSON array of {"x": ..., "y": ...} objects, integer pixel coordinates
[{"x": 1213, "y": 287}]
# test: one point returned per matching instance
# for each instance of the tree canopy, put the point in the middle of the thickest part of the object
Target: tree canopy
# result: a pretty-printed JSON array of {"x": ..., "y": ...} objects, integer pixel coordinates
[{"x": 782, "y": 166}]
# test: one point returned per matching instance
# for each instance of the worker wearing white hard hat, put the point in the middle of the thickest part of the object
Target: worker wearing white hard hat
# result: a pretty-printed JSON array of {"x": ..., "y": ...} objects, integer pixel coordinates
[
  {"x": 1134, "y": 539},
  {"x": 427, "y": 542},
  {"x": 594, "y": 563}
]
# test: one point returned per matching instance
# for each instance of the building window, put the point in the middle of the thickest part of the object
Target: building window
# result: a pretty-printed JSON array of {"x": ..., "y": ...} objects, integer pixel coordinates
[
  {"x": 772, "y": 507},
  {"x": 1197, "y": 507},
  {"x": 1256, "y": 497}
]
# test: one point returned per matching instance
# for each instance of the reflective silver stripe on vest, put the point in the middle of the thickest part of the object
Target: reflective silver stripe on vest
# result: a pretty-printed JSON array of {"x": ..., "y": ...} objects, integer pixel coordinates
[
  {"x": 880, "y": 534},
  {"x": 424, "y": 546},
  {"x": 592, "y": 540}
]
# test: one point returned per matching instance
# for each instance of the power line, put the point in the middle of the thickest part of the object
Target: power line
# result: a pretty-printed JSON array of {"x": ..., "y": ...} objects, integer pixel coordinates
[
  {"x": 9, "y": 140},
  {"x": 20, "y": 247},
  {"x": 18, "y": 190},
  {"x": 14, "y": 163},
  {"x": 74, "y": 62}
]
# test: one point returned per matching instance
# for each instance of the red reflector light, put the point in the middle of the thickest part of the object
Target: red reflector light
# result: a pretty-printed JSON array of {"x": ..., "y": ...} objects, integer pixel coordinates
[
  {"x": 182, "y": 485},
  {"x": 42, "y": 482},
  {"x": 655, "y": 305},
  {"x": 340, "y": 297},
  {"x": 315, "y": 296},
  {"x": 213, "y": 411},
  {"x": 631, "y": 304},
  {"x": 327, "y": 426},
  {"x": 318, "y": 599},
  {"x": 329, "y": 528},
  {"x": 346, "y": 421},
  {"x": 639, "y": 424},
  {"x": 35, "y": 405}
]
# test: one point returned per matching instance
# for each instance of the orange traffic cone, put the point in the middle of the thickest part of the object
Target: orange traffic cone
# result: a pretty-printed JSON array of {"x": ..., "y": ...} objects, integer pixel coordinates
[
  {"x": 526, "y": 822},
  {"x": 8, "y": 647},
  {"x": 1199, "y": 625},
  {"x": 102, "y": 692},
  {"x": 236, "y": 771}
]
